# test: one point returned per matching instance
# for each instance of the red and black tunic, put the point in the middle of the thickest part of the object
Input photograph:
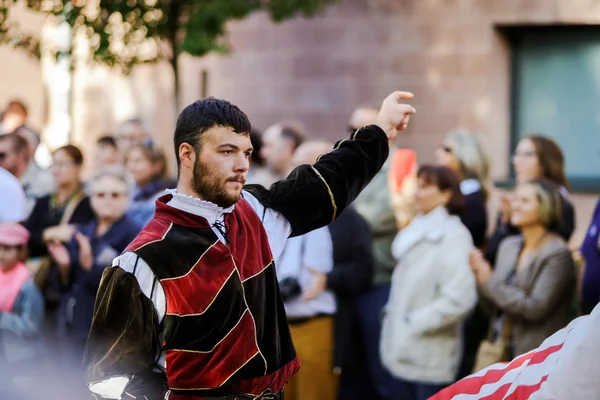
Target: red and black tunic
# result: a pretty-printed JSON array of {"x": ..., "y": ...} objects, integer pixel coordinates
[
  {"x": 222, "y": 321},
  {"x": 225, "y": 329}
]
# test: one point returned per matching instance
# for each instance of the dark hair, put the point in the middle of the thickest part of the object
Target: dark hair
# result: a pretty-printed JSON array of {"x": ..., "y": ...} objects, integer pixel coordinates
[
  {"x": 256, "y": 140},
  {"x": 107, "y": 141},
  {"x": 445, "y": 179},
  {"x": 550, "y": 158},
  {"x": 293, "y": 133},
  {"x": 18, "y": 142},
  {"x": 155, "y": 155},
  {"x": 202, "y": 115},
  {"x": 24, "y": 130},
  {"x": 73, "y": 152},
  {"x": 17, "y": 106}
]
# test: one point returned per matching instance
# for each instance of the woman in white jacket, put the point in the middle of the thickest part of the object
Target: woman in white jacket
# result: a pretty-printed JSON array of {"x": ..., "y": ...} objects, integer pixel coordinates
[{"x": 433, "y": 290}]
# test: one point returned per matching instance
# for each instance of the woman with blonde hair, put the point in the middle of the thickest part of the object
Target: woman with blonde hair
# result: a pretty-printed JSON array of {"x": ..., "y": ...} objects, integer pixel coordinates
[
  {"x": 462, "y": 152},
  {"x": 529, "y": 291}
]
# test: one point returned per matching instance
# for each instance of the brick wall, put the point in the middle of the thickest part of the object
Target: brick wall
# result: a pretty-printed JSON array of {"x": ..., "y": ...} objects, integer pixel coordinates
[{"x": 448, "y": 52}]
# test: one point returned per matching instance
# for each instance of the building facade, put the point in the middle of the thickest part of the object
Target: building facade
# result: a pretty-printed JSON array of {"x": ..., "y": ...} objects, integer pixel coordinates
[{"x": 501, "y": 68}]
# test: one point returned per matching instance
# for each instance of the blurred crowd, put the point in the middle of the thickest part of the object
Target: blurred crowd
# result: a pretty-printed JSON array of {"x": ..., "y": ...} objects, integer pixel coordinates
[{"x": 409, "y": 290}]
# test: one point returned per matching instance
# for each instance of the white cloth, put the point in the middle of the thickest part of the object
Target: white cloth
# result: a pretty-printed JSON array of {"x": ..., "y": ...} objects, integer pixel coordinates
[
  {"x": 469, "y": 186},
  {"x": 432, "y": 291},
  {"x": 13, "y": 202},
  {"x": 564, "y": 367},
  {"x": 278, "y": 229},
  {"x": 314, "y": 250}
]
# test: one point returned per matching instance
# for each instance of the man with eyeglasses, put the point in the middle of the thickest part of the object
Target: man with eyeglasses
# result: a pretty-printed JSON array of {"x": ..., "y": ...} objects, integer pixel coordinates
[{"x": 192, "y": 309}]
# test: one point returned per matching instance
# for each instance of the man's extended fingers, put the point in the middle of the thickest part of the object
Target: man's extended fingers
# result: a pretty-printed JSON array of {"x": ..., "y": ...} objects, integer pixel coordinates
[
  {"x": 398, "y": 95},
  {"x": 406, "y": 109}
]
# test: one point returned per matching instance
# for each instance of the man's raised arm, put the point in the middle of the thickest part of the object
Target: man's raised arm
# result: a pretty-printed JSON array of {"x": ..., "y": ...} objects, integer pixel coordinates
[{"x": 314, "y": 195}]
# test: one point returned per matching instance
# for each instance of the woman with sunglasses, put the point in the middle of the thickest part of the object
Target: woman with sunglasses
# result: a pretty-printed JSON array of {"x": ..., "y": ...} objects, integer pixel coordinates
[{"x": 81, "y": 262}]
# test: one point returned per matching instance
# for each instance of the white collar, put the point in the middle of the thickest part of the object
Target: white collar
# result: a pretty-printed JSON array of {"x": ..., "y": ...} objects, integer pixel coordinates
[
  {"x": 469, "y": 186},
  {"x": 196, "y": 206},
  {"x": 430, "y": 227}
]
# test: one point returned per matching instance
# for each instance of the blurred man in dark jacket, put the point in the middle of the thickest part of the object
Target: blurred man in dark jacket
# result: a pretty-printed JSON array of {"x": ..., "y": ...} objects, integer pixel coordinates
[{"x": 351, "y": 275}]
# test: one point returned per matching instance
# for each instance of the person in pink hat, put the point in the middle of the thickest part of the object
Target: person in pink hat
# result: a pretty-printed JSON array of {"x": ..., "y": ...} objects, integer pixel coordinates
[{"x": 21, "y": 315}]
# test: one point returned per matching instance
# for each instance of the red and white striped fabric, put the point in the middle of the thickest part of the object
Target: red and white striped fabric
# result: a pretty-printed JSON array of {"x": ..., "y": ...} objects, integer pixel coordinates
[{"x": 565, "y": 367}]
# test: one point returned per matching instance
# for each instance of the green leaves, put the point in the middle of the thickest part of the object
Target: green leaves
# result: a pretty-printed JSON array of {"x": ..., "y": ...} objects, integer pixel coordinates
[
  {"x": 11, "y": 33},
  {"x": 123, "y": 33}
]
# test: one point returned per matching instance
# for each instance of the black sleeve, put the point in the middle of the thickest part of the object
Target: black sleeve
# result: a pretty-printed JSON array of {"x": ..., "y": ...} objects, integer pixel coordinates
[
  {"x": 501, "y": 232},
  {"x": 123, "y": 339},
  {"x": 35, "y": 226},
  {"x": 314, "y": 195},
  {"x": 567, "y": 226},
  {"x": 353, "y": 258},
  {"x": 475, "y": 218},
  {"x": 83, "y": 212}
]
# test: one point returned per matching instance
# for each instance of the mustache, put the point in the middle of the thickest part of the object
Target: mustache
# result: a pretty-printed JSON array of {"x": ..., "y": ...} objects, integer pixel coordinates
[{"x": 238, "y": 178}]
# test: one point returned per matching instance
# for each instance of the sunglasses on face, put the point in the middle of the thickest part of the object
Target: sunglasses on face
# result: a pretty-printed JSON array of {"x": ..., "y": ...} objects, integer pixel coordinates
[
  {"x": 3, "y": 155},
  {"x": 112, "y": 195}
]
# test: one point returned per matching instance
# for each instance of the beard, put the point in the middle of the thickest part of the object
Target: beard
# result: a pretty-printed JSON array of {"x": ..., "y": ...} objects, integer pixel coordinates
[{"x": 210, "y": 186}]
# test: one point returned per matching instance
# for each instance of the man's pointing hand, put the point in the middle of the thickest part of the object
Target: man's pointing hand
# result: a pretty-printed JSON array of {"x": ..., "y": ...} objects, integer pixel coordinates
[{"x": 393, "y": 115}]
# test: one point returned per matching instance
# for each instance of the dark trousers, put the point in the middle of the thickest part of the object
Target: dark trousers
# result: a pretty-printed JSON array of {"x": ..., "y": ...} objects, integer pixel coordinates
[
  {"x": 475, "y": 328},
  {"x": 406, "y": 390},
  {"x": 355, "y": 381},
  {"x": 370, "y": 306}
]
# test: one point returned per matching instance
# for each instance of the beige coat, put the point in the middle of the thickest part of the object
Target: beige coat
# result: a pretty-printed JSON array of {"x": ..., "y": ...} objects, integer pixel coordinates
[
  {"x": 433, "y": 289},
  {"x": 540, "y": 299}
]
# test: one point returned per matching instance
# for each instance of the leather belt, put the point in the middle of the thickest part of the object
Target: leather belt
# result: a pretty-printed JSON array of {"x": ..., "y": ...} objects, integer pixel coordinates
[{"x": 268, "y": 394}]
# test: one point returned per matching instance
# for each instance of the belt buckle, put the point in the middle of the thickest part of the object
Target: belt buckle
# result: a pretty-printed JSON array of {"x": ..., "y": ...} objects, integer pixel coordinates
[{"x": 267, "y": 395}]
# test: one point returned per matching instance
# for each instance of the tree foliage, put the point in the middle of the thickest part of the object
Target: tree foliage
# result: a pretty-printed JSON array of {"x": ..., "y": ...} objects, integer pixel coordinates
[{"x": 123, "y": 33}]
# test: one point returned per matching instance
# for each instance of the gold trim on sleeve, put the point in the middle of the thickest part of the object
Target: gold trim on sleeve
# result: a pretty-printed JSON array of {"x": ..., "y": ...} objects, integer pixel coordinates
[{"x": 330, "y": 192}]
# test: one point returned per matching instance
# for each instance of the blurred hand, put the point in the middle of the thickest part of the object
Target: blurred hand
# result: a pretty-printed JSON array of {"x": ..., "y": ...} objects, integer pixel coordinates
[
  {"x": 85, "y": 251},
  {"x": 480, "y": 266},
  {"x": 393, "y": 116},
  {"x": 59, "y": 233},
  {"x": 505, "y": 207},
  {"x": 59, "y": 254},
  {"x": 318, "y": 285}
]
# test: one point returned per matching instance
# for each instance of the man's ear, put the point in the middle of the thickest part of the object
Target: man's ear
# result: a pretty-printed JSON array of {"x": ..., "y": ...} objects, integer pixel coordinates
[{"x": 187, "y": 155}]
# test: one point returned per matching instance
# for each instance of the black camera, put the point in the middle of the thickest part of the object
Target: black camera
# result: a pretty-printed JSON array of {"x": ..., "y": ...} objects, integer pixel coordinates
[{"x": 289, "y": 288}]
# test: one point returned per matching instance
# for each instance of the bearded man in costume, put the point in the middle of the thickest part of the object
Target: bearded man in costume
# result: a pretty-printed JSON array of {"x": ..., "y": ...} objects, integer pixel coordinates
[{"x": 191, "y": 309}]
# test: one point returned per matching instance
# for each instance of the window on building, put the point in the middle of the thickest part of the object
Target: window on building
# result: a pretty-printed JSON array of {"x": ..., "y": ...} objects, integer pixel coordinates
[{"x": 556, "y": 93}]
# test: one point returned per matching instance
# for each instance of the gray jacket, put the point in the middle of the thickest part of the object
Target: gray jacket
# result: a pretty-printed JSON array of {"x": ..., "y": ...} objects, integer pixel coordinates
[
  {"x": 374, "y": 205},
  {"x": 540, "y": 299}
]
